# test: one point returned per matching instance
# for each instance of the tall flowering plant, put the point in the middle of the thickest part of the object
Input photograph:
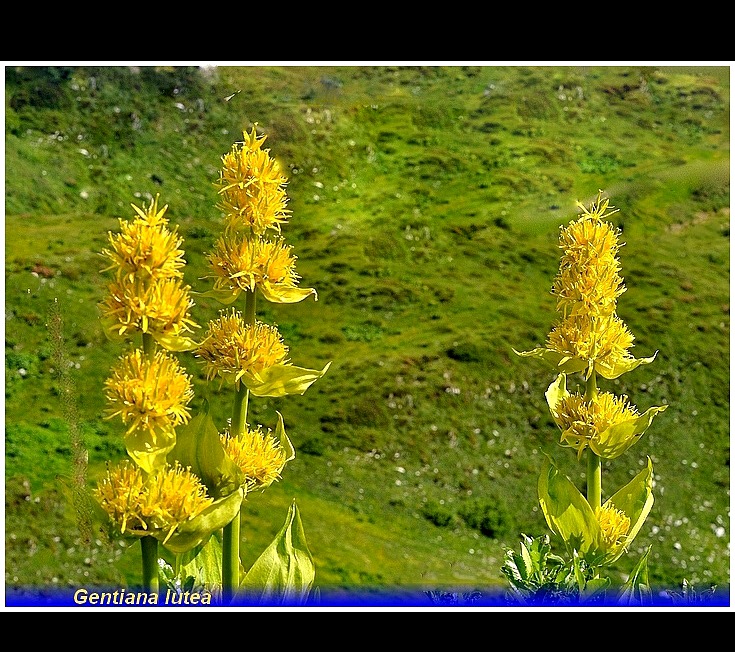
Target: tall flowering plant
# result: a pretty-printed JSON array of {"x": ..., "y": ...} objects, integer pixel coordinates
[
  {"x": 150, "y": 496},
  {"x": 251, "y": 259},
  {"x": 589, "y": 339},
  {"x": 186, "y": 477}
]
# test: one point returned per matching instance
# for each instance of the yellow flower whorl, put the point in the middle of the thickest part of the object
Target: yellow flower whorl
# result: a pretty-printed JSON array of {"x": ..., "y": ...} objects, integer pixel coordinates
[
  {"x": 582, "y": 421},
  {"x": 588, "y": 278},
  {"x": 604, "y": 340},
  {"x": 148, "y": 294},
  {"x": 159, "y": 502},
  {"x": 160, "y": 307},
  {"x": 232, "y": 349},
  {"x": 614, "y": 526},
  {"x": 149, "y": 393},
  {"x": 246, "y": 263},
  {"x": 258, "y": 455},
  {"x": 252, "y": 188},
  {"x": 146, "y": 247}
]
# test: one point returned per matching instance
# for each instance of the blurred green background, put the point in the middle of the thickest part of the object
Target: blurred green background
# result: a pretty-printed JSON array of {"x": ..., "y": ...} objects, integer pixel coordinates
[{"x": 426, "y": 207}]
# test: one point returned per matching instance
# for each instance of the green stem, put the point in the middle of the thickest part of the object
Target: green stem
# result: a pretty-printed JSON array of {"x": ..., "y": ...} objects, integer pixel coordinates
[
  {"x": 231, "y": 531},
  {"x": 230, "y": 559},
  {"x": 249, "y": 307},
  {"x": 594, "y": 480},
  {"x": 149, "y": 344},
  {"x": 149, "y": 552},
  {"x": 149, "y": 545},
  {"x": 239, "y": 410},
  {"x": 594, "y": 463}
]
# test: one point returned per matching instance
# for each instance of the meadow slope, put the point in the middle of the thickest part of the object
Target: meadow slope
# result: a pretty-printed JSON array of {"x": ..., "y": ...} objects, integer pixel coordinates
[{"x": 426, "y": 203}]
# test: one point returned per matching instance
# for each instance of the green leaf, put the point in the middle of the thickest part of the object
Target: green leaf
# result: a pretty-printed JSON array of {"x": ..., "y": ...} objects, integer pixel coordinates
[
  {"x": 617, "y": 439},
  {"x": 225, "y": 296},
  {"x": 556, "y": 392},
  {"x": 282, "y": 437},
  {"x": 198, "y": 446},
  {"x": 579, "y": 576},
  {"x": 166, "y": 573},
  {"x": 595, "y": 588},
  {"x": 204, "y": 564},
  {"x": 177, "y": 343},
  {"x": 276, "y": 294},
  {"x": 197, "y": 530},
  {"x": 526, "y": 565},
  {"x": 149, "y": 452},
  {"x": 569, "y": 364},
  {"x": 283, "y": 379},
  {"x": 637, "y": 591},
  {"x": 613, "y": 371},
  {"x": 284, "y": 572},
  {"x": 567, "y": 512},
  {"x": 561, "y": 362}
]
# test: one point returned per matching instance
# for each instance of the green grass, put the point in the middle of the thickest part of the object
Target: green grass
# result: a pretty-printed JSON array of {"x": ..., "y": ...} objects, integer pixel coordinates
[{"x": 426, "y": 204}]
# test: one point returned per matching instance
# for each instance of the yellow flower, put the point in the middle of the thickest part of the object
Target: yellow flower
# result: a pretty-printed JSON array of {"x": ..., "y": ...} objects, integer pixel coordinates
[
  {"x": 599, "y": 343},
  {"x": 614, "y": 527},
  {"x": 591, "y": 286},
  {"x": 252, "y": 188},
  {"x": 235, "y": 350},
  {"x": 582, "y": 422},
  {"x": 173, "y": 496},
  {"x": 609, "y": 425},
  {"x": 149, "y": 393},
  {"x": 161, "y": 307},
  {"x": 145, "y": 247},
  {"x": 235, "y": 262},
  {"x": 156, "y": 504},
  {"x": 119, "y": 494},
  {"x": 258, "y": 455},
  {"x": 598, "y": 210},
  {"x": 246, "y": 263}
]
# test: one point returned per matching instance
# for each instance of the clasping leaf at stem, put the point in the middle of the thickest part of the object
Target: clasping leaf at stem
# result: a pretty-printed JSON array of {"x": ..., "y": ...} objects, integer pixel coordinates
[
  {"x": 568, "y": 364},
  {"x": 197, "y": 530},
  {"x": 198, "y": 446},
  {"x": 571, "y": 517},
  {"x": 283, "y": 379},
  {"x": 284, "y": 573}
]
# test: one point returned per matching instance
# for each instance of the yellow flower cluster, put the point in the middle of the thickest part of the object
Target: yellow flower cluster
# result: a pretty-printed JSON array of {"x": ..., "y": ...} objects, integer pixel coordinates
[
  {"x": 252, "y": 188},
  {"x": 602, "y": 342},
  {"x": 141, "y": 504},
  {"x": 149, "y": 393},
  {"x": 589, "y": 337},
  {"x": 146, "y": 247},
  {"x": 243, "y": 262},
  {"x": 257, "y": 454},
  {"x": 614, "y": 526},
  {"x": 233, "y": 348},
  {"x": 148, "y": 294},
  {"x": 589, "y": 280},
  {"x": 253, "y": 200},
  {"x": 161, "y": 307},
  {"x": 584, "y": 422}
]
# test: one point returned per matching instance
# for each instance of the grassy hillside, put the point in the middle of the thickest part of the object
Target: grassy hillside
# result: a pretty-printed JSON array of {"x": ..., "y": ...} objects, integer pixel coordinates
[{"x": 426, "y": 205}]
